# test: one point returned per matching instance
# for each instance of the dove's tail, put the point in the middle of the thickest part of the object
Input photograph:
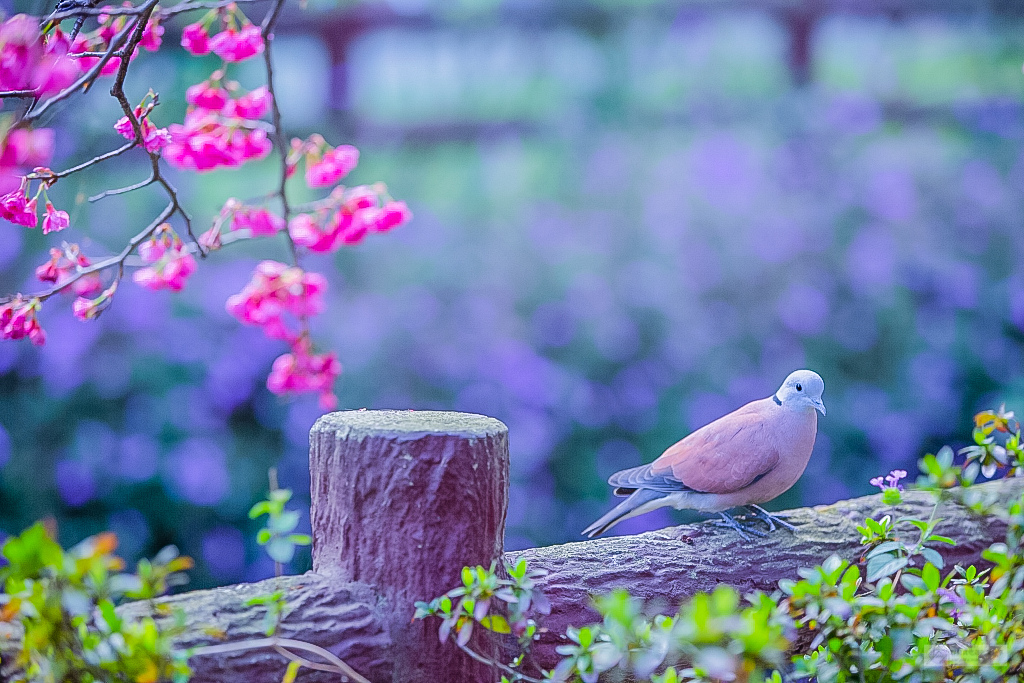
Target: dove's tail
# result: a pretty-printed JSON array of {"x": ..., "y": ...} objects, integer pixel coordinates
[{"x": 641, "y": 501}]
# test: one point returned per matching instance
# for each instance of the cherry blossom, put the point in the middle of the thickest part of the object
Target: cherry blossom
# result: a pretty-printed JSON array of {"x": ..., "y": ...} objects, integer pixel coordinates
[
  {"x": 63, "y": 264},
  {"x": 260, "y": 221},
  {"x": 233, "y": 45},
  {"x": 54, "y": 220},
  {"x": 275, "y": 292},
  {"x": 302, "y": 371},
  {"x": 346, "y": 217},
  {"x": 196, "y": 39},
  {"x": 27, "y": 62},
  {"x": 334, "y": 165},
  {"x": 88, "y": 309},
  {"x": 171, "y": 262},
  {"x": 26, "y": 147},
  {"x": 19, "y": 209},
  {"x": 18, "y": 320}
]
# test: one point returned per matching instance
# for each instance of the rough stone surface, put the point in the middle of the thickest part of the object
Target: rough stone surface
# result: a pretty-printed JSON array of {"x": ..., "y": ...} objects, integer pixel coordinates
[{"x": 401, "y": 501}]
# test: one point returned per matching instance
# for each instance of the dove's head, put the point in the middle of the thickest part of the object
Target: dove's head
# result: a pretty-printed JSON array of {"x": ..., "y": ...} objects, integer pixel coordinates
[{"x": 802, "y": 389}]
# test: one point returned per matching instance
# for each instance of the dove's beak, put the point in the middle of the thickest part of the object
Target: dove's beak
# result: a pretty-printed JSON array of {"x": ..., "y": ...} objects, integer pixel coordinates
[{"x": 819, "y": 405}]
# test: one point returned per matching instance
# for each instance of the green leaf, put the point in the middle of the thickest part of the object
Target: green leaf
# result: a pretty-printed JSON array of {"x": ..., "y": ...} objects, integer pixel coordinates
[
  {"x": 280, "y": 550},
  {"x": 930, "y": 574},
  {"x": 496, "y": 623},
  {"x": 933, "y": 556},
  {"x": 300, "y": 539},
  {"x": 881, "y": 566},
  {"x": 263, "y": 536},
  {"x": 886, "y": 547},
  {"x": 260, "y": 508},
  {"x": 941, "y": 539}
]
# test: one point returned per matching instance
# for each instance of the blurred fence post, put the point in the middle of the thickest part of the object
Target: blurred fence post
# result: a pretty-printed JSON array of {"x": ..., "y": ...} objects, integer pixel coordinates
[{"x": 401, "y": 501}]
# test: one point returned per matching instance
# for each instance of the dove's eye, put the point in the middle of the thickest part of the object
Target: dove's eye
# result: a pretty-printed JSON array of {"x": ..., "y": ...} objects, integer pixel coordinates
[{"x": 799, "y": 388}]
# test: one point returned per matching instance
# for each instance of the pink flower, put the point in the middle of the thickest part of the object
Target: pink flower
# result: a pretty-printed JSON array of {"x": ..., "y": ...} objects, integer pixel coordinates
[
  {"x": 195, "y": 39},
  {"x": 259, "y": 221},
  {"x": 237, "y": 46},
  {"x": 275, "y": 293},
  {"x": 172, "y": 264},
  {"x": 21, "y": 48},
  {"x": 306, "y": 231},
  {"x": 18, "y": 320},
  {"x": 153, "y": 138},
  {"x": 210, "y": 240},
  {"x": 87, "y": 309},
  {"x": 25, "y": 147},
  {"x": 207, "y": 95},
  {"x": 204, "y": 143},
  {"x": 251, "y": 106},
  {"x": 303, "y": 372},
  {"x": 63, "y": 264},
  {"x": 55, "y": 70},
  {"x": 54, "y": 221},
  {"x": 392, "y": 215},
  {"x": 152, "y": 35},
  {"x": 333, "y": 166},
  {"x": 18, "y": 209}
]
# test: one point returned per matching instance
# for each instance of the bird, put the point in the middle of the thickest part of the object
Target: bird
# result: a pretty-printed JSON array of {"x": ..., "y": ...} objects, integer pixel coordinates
[{"x": 750, "y": 456}]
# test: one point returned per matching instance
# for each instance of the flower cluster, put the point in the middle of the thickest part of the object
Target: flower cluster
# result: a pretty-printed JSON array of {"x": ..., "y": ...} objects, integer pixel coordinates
[
  {"x": 28, "y": 62},
  {"x": 303, "y": 371},
  {"x": 276, "y": 293},
  {"x": 16, "y": 207},
  {"x": 346, "y": 217},
  {"x": 890, "y": 481},
  {"x": 109, "y": 27},
  {"x": 237, "y": 40},
  {"x": 220, "y": 130},
  {"x": 170, "y": 262},
  {"x": 18, "y": 320},
  {"x": 64, "y": 263},
  {"x": 88, "y": 309},
  {"x": 325, "y": 165},
  {"x": 279, "y": 299},
  {"x": 21, "y": 206},
  {"x": 154, "y": 139}
]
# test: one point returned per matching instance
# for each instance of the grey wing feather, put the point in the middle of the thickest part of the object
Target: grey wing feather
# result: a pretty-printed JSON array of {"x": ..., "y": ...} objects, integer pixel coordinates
[{"x": 628, "y": 481}]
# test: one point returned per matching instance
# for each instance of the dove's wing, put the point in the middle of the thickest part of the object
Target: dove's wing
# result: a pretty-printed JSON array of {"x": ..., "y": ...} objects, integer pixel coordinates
[{"x": 724, "y": 456}]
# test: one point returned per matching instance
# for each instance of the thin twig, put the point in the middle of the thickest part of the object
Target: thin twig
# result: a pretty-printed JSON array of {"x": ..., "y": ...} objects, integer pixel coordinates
[
  {"x": 186, "y": 6},
  {"x": 86, "y": 79},
  {"x": 81, "y": 167},
  {"x": 266, "y": 30},
  {"x": 27, "y": 94},
  {"x": 189, "y": 6},
  {"x": 117, "y": 91},
  {"x": 275, "y": 641},
  {"x": 122, "y": 190}
]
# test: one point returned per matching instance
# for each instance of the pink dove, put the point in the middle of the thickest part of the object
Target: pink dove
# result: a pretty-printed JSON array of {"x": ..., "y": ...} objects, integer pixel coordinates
[{"x": 749, "y": 456}]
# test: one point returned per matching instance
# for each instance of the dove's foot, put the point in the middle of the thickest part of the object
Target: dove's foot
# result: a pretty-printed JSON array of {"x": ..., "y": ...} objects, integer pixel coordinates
[
  {"x": 769, "y": 518},
  {"x": 730, "y": 522}
]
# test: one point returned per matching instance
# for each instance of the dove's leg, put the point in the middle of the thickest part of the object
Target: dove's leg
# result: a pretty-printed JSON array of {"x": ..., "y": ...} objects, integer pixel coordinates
[
  {"x": 769, "y": 518},
  {"x": 731, "y": 522}
]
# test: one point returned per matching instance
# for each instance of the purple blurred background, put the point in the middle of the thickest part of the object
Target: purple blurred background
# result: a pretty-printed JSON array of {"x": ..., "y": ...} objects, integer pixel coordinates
[{"x": 630, "y": 218}]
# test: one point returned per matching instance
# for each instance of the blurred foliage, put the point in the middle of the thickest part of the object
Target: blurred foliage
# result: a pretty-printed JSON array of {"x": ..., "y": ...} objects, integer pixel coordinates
[
  {"x": 630, "y": 219},
  {"x": 64, "y": 602}
]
